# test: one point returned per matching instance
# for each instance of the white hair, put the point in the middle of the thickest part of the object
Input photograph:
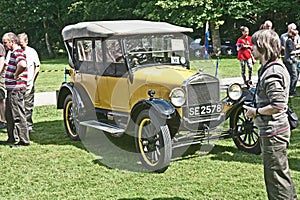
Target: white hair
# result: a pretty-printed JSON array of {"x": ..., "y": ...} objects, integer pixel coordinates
[
  {"x": 292, "y": 26},
  {"x": 268, "y": 24}
]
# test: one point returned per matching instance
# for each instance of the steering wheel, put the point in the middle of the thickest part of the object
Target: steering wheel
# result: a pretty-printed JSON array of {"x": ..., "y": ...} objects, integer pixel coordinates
[{"x": 139, "y": 57}]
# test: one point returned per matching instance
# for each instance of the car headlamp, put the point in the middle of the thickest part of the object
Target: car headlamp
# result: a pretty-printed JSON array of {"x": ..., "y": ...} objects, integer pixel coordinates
[
  {"x": 177, "y": 97},
  {"x": 234, "y": 91},
  {"x": 182, "y": 60}
]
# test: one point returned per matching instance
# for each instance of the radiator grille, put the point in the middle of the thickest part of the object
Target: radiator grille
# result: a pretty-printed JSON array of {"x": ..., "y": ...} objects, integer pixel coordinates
[{"x": 202, "y": 93}]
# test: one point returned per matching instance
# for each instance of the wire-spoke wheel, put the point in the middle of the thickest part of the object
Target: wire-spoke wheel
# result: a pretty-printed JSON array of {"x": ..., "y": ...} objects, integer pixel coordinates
[
  {"x": 153, "y": 142},
  {"x": 198, "y": 53},
  {"x": 245, "y": 133}
]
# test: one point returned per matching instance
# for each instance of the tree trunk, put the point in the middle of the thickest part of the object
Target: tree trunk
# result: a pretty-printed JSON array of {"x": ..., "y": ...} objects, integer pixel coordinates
[
  {"x": 215, "y": 35},
  {"x": 50, "y": 52}
]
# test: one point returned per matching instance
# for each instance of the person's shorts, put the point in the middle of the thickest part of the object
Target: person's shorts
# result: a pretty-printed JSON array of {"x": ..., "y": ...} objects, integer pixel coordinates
[{"x": 2, "y": 88}]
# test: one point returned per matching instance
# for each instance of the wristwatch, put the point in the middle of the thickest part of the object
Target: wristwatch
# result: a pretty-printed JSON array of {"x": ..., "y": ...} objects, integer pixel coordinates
[{"x": 256, "y": 112}]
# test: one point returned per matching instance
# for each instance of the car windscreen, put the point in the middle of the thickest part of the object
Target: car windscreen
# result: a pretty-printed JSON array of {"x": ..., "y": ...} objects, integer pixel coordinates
[{"x": 155, "y": 49}]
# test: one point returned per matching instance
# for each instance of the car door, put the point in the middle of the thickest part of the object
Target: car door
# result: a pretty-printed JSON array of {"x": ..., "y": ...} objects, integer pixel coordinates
[
  {"x": 112, "y": 80},
  {"x": 86, "y": 74}
]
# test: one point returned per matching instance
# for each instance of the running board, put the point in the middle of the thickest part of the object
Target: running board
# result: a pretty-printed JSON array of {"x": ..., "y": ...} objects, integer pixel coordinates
[{"x": 103, "y": 127}]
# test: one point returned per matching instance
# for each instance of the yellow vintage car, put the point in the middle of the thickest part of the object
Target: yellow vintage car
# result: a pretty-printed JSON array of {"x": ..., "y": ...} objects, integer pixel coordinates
[{"x": 134, "y": 77}]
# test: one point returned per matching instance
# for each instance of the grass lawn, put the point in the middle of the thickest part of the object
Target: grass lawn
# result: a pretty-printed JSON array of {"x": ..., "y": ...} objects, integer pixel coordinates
[
  {"x": 227, "y": 67},
  {"x": 54, "y": 167},
  {"x": 51, "y": 75}
]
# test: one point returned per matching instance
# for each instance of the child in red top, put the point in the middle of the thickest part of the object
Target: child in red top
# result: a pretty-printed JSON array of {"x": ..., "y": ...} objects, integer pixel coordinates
[{"x": 244, "y": 48}]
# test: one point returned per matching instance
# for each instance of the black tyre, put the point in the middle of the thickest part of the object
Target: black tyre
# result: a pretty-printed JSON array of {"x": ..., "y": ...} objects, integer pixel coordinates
[
  {"x": 228, "y": 52},
  {"x": 245, "y": 133},
  {"x": 198, "y": 53},
  {"x": 69, "y": 119},
  {"x": 153, "y": 141}
]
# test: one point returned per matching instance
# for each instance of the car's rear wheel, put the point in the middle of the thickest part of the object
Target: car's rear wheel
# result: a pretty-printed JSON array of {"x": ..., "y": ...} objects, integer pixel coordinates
[
  {"x": 245, "y": 133},
  {"x": 69, "y": 119},
  {"x": 198, "y": 53},
  {"x": 153, "y": 141}
]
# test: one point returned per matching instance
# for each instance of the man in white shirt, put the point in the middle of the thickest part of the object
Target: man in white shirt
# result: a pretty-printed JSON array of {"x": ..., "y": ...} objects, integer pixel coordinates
[
  {"x": 2, "y": 87},
  {"x": 33, "y": 67}
]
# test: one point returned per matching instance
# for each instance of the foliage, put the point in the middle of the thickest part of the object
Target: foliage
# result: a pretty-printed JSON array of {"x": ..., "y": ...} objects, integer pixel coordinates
[
  {"x": 43, "y": 20},
  {"x": 104, "y": 10},
  {"x": 196, "y": 13},
  {"x": 36, "y": 19}
]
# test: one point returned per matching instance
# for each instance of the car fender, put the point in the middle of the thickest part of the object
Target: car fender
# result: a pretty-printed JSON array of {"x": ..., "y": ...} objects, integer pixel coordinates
[
  {"x": 161, "y": 107},
  {"x": 78, "y": 93},
  {"x": 85, "y": 109},
  {"x": 63, "y": 92}
]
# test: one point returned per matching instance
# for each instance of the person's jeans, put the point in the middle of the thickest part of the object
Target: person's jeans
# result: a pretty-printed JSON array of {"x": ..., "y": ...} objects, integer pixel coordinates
[
  {"x": 292, "y": 68},
  {"x": 279, "y": 183}
]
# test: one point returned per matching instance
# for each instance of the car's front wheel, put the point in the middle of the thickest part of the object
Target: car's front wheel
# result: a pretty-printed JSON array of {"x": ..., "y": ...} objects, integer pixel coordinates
[
  {"x": 245, "y": 133},
  {"x": 69, "y": 119},
  {"x": 228, "y": 52},
  {"x": 153, "y": 141}
]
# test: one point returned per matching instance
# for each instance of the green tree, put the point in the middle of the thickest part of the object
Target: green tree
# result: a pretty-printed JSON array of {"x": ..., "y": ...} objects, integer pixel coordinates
[
  {"x": 42, "y": 20},
  {"x": 281, "y": 13},
  {"x": 196, "y": 13},
  {"x": 105, "y": 10}
]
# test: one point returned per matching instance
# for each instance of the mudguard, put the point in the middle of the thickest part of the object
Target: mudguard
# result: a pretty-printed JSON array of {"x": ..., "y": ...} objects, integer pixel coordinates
[
  {"x": 84, "y": 108},
  {"x": 248, "y": 94},
  {"x": 63, "y": 92},
  {"x": 79, "y": 95},
  {"x": 161, "y": 107}
]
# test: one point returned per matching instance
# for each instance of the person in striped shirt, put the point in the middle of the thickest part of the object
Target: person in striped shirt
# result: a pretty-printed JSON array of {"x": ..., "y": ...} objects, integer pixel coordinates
[{"x": 16, "y": 83}]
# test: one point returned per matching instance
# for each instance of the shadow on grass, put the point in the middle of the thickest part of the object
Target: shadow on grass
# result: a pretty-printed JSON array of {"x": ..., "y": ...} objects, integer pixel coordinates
[
  {"x": 294, "y": 147},
  {"x": 120, "y": 152},
  {"x": 52, "y": 132},
  {"x": 109, "y": 151},
  {"x": 232, "y": 154}
]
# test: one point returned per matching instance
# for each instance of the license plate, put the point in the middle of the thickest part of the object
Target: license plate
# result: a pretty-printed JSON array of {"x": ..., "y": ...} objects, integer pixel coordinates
[{"x": 205, "y": 109}]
